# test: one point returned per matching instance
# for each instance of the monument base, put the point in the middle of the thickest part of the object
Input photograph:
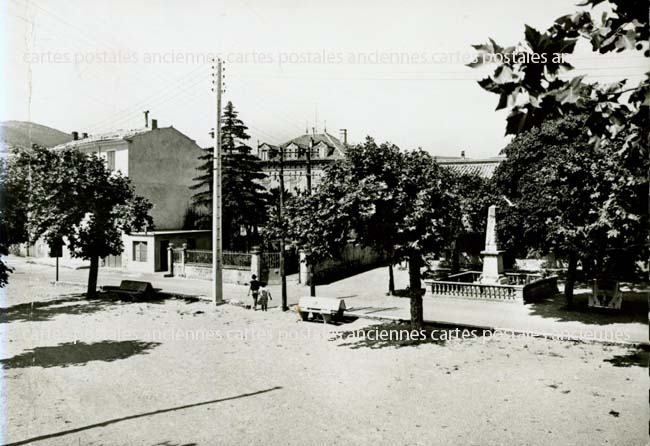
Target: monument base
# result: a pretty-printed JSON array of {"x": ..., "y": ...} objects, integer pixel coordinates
[{"x": 492, "y": 267}]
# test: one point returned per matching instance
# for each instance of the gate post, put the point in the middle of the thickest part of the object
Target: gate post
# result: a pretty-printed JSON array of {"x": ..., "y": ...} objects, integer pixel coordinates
[
  {"x": 183, "y": 258},
  {"x": 303, "y": 267},
  {"x": 170, "y": 260},
  {"x": 256, "y": 262}
]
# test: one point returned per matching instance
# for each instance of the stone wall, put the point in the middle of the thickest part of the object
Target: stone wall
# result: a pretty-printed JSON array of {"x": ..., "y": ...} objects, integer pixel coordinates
[
  {"x": 353, "y": 259},
  {"x": 239, "y": 276}
]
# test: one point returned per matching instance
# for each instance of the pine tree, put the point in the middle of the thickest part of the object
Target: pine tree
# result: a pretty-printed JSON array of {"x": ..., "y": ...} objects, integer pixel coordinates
[{"x": 245, "y": 200}]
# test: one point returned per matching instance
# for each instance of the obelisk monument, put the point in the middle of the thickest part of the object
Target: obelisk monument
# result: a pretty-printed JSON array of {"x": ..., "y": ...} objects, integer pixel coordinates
[{"x": 492, "y": 255}]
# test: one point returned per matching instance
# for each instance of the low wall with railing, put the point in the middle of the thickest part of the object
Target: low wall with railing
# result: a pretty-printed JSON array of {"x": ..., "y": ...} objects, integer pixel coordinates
[
  {"x": 522, "y": 288},
  {"x": 238, "y": 267},
  {"x": 540, "y": 289},
  {"x": 464, "y": 290}
]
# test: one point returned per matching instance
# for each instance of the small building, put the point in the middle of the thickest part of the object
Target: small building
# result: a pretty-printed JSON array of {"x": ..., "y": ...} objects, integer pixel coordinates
[
  {"x": 311, "y": 150},
  {"x": 147, "y": 251}
]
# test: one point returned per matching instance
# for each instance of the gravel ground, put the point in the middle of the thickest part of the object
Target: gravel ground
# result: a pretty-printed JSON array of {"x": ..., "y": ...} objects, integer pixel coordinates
[{"x": 180, "y": 372}]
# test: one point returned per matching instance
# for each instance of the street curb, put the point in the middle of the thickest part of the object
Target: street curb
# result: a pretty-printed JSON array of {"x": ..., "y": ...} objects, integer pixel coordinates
[
  {"x": 61, "y": 265},
  {"x": 645, "y": 345},
  {"x": 66, "y": 283}
]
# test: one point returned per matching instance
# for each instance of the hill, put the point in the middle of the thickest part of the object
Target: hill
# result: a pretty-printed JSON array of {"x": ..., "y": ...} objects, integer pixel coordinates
[{"x": 24, "y": 134}]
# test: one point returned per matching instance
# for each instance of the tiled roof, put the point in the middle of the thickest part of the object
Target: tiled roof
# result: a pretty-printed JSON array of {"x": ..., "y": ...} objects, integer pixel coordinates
[
  {"x": 467, "y": 166},
  {"x": 115, "y": 135},
  {"x": 304, "y": 141}
]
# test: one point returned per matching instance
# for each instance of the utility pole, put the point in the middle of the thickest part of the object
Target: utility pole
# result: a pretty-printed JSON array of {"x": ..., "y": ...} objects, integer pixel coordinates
[
  {"x": 283, "y": 274},
  {"x": 217, "y": 277},
  {"x": 310, "y": 266},
  {"x": 311, "y": 146}
]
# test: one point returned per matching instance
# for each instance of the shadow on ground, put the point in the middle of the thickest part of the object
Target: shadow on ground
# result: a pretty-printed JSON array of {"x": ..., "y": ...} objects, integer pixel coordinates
[
  {"x": 140, "y": 415},
  {"x": 400, "y": 334},
  {"x": 169, "y": 443},
  {"x": 77, "y": 353},
  {"x": 41, "y": 311},
  {"x": 633, "y": 310},
  {"x": 318, "y": 319},
  {"x": 74, "y": 304},
  {"x": 635, "y": 357}
]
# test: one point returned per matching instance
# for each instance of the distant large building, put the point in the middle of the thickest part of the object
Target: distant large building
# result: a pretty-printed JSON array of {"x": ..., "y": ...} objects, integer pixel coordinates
[{"x": 323, "y": 148}]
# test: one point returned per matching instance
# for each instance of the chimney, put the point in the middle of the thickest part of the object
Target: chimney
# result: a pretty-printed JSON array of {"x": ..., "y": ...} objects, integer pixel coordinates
[
  {"x": 84, "y": 135},
  {"x": 75, "y": 136},
  {"x": 154, "y": 124},
  {"x": 146, "y": 118},
  {"x": 462, "y": 154},
  {"x": 344, "y": 136}
]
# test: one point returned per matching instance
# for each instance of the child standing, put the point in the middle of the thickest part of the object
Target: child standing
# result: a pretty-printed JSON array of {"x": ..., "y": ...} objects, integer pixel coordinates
[
  {"x": 254, "y": 288},
  {"x": 265, "y": 295}
]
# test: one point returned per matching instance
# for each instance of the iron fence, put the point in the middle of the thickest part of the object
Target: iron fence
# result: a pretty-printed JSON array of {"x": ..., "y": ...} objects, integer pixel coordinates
[
  {"x": 238, "y": 259},
  {"x": 199, "y": 256},
  {"x": 270, "y": 260},
  {"x": 177, "y": 255}
]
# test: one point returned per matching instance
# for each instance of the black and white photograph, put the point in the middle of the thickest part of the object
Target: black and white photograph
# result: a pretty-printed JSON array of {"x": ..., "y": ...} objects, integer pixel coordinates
[{"x": 282, "y": 222}]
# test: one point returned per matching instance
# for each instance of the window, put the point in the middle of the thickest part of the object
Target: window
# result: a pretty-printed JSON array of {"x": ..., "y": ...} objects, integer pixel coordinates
[
  {"x": 139, "y": 251},
  {"x": 110, "y": 160}
]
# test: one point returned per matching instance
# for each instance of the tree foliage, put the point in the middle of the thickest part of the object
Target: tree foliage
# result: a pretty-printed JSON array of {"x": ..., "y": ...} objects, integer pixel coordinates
[
  {"x": 381, "y": 197},
  {"x": 245, "y": 201},
  {"x": 14, "y": 187},
  {"x": 76, "y": 198},
  {"x": 573, "y": 198},
  {"x": 602, "y": 221},
  {"x": 534, "y": 91},
  {"x": 474, "y": 194}
]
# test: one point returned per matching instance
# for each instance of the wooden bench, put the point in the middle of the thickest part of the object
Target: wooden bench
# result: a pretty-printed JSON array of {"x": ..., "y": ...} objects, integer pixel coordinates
[
  {"x": 606, "y": 294},
  {"x": 328, "y": 308},
  {"x": 133, "y": 290}
]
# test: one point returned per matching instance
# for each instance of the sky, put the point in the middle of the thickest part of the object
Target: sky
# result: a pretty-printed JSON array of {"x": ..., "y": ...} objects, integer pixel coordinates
[{"x": 394, "y": 70}]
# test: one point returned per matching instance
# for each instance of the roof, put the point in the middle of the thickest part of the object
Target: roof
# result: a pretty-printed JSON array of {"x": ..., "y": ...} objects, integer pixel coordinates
[
  {"x": 304, "y": 141},
  {"x": 114, "y": 135},
  {"x": 172, "y": 232},
  {"x": 483, "y": 167}
]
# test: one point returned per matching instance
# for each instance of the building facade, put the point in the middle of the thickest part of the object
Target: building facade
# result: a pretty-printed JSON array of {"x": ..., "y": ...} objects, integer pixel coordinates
[
  {"x": 161, "y": 163},
  {"x": 303, "y": 156}
]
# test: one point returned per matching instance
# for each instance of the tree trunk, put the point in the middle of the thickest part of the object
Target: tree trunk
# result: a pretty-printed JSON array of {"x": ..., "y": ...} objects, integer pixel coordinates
[
  {"x": 417, "y": 317},
  {"x": 570, "y": 279},
  {"x": 312, "y": 284},
  {"x": 391, "y": 279},
  {"x": 91, "y": 292},
  {"x": 455, "y": 257}
]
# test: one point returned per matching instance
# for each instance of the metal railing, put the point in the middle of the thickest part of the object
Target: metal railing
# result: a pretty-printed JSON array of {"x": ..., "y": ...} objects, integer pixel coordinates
[
  {"x": 270, "y": 260},
  {"x": 177, "y": 255},
  {"x": 199, "y": 256},
  {"x": 513, "y": 278},
  {"x": 236, "y": 259}
]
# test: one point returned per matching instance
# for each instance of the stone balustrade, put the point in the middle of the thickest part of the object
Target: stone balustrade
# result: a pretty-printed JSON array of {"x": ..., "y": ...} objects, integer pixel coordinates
[
  {"x": 512, "y": 293},
  {"x": 529, "y": 288}
]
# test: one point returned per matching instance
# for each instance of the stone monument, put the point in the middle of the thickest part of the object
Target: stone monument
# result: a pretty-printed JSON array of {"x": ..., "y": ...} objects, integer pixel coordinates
[{"x": 492, "y": 255}]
